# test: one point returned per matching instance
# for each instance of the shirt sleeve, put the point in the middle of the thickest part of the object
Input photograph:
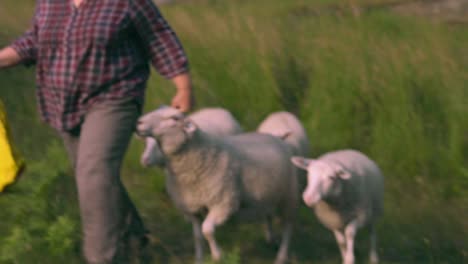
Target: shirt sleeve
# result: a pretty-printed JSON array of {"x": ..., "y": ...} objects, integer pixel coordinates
[
  {"x": 26, "y": 45},
  {"x": 166, "y": 53}
]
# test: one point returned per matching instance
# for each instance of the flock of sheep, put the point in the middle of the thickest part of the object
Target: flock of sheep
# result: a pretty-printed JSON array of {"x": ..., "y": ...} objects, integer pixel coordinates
[{"x": 215, "y": 171}]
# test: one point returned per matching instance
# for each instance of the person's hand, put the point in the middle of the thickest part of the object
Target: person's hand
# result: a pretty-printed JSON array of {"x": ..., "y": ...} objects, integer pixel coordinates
[
  {"x": 184, "y": 99},
  {"x": 8, "y": 57}
]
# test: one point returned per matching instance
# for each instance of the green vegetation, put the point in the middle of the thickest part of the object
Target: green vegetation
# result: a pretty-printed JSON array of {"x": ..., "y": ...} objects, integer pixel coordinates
[{"x": 392, "y": 86}]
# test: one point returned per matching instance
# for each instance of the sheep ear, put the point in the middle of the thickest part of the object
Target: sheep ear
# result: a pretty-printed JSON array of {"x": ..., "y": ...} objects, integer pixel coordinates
[
  {"x": 345, "y": 175},
  {"x": 301, "y": 162},
  {"x": 189, "y": 126}
]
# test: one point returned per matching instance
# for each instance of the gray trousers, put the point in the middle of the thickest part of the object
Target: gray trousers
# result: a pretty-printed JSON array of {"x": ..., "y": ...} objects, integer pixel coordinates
[{"x": 96, "y": 150}]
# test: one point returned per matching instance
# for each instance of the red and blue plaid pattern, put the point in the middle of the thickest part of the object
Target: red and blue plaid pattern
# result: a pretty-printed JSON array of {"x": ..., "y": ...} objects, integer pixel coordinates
[{"x": 97, "y": 51}]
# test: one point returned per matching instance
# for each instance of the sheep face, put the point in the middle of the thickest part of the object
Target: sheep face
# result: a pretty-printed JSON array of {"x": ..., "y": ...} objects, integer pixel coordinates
[
  {"x": 172, "y": 134},
  {"x": 154, "y": 118},
  {"x": 324, "y": 180}
]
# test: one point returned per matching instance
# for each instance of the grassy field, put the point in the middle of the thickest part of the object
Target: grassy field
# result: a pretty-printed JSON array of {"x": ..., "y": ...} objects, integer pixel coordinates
[{"x": 392, "y": 86}]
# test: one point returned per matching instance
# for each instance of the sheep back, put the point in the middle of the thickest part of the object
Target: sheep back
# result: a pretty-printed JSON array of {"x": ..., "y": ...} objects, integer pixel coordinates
[
  {"x": 282, "y": 123},
  {"x": 248, "y": 171},
  {"x": 216, "y": 121}
]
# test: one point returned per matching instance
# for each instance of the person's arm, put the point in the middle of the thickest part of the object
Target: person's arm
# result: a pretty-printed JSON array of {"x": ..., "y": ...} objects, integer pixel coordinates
[
  {"x": 166, "y": 53},
  {"x": 9, "y": 57},
  {"x": 184, "y": 99},
  {"x": 23, "y": 49}
]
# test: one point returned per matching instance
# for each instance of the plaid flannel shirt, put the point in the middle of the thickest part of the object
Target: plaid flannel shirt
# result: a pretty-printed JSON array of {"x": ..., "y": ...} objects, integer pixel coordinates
[{"x": 98, "y": 51}]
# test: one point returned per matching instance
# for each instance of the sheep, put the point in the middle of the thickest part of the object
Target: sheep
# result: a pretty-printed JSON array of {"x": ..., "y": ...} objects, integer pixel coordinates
[
  {"x": 288, "y": 127},
  {"x": 214, "y": 120},
  {"x": 345, "y": 188},
  {"x": 248, "y": 176}
]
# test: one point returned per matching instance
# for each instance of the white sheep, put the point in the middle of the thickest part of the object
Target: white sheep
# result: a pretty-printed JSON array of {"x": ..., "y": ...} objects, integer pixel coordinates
[
  {"x": 214, "y": 120},
  {"x": 288, "y": 127},
  {"x": 345, "y": 188},
  {"x": 247, "y": 175}
]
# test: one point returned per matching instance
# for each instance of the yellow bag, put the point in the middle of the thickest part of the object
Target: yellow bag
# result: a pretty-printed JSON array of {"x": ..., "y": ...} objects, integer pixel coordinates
[{"x": 10, "y": 164}]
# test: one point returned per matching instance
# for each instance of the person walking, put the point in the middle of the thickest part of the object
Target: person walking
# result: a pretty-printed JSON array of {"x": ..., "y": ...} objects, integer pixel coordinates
[{"x": 92, "y": 62}]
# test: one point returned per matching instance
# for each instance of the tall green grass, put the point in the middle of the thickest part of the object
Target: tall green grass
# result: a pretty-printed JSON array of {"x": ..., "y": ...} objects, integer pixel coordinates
[{"x": 393, "y": 87}]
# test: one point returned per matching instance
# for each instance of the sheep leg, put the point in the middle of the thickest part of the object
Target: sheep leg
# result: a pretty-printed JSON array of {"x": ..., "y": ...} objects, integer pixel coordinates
[
  {"x": 282, "y": 255},
  {"x": 213, "y": 219},
  {"x": 198, "y": 239},
  {"x": 340, "y": 239},
  {"x": 373, "y": 257},
  {"x": 268, "y": 229},
  {"x": 350, "y": 234}
]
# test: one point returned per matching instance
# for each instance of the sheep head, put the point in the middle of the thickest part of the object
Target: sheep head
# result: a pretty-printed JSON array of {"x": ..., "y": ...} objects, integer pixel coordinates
[
  {"x": 324, "y": 179},
  {"x": 171, "y": 132},
  {"x": 154, "y": 118}
]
